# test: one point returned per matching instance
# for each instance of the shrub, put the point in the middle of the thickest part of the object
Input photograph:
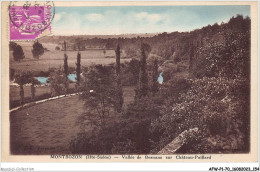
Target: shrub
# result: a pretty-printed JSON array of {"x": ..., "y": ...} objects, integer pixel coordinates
[
  {"x": 173, "y": 88},
  {"x": 57, "y": 48},
  {"x": 148, "y": 107},
  {"x": 129, "y": 136},
  {"x": 212, "y": 105},
  {"x": 126, "y": 134},
  {"x": 227, "y": 58},
  {"x": 58, "y": 83}
]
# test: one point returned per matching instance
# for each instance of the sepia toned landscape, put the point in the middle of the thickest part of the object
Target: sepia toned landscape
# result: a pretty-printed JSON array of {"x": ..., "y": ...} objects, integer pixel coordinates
[{"x": 138, "y": 93}]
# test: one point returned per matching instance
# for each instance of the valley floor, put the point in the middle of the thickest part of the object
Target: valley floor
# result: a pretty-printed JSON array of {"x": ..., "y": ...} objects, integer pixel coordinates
[{"x": 48, "y": 128}]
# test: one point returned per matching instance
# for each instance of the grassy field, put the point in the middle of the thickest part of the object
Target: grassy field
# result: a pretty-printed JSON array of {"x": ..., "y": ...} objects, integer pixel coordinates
[
  {"x": 54, "y": 58},
  {"x": 47, "y": 128}
]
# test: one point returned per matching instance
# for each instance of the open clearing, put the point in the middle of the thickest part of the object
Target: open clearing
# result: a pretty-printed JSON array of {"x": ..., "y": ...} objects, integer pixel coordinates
[
  {"x": 47, "y": 128},
  {"x": 54, "y": 58}
]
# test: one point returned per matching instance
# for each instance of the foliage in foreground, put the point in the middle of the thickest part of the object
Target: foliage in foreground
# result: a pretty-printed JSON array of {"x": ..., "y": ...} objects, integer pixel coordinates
[
  {"x": 126, "y": 133},
  {"x": 218, "y": 107},
  {"x": 218, "y": 102}
]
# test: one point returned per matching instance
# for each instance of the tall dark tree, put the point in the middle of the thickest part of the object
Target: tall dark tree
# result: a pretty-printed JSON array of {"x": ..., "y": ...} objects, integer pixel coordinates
[
  {"x": 117, "y": 60},
  {"x": 120, "y": 100},
  {"x": 18, "y": 53},
  {"x": 66, "y": 67},
  {"x": 143, "y": 87},
  {"x": 37, "y": 50},
  {"x": 65, "y": 46},
  {"x": 155, "y": 86},
  {"x": 78, "y": 70}
]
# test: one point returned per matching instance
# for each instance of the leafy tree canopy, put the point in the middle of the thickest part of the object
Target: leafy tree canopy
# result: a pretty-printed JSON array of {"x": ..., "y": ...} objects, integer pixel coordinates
[{"x": 37, "y": 50}]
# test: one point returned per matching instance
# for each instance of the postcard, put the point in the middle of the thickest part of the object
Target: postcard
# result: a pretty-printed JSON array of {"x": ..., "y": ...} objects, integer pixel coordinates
[{"x": 129, "y": 81}]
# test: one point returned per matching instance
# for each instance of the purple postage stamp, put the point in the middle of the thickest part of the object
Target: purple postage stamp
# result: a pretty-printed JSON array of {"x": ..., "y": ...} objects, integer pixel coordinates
[{"x": 29, "y": 20}]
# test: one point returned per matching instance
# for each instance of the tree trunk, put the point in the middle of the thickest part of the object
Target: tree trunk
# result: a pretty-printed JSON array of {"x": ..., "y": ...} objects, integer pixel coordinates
[
  {"x": 21, "y": 95},
  {"x": 33, "y": 91}
]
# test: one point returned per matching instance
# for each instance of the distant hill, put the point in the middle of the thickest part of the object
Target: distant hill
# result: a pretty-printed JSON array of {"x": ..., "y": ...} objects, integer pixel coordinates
[{"x": 59, "y": 38}]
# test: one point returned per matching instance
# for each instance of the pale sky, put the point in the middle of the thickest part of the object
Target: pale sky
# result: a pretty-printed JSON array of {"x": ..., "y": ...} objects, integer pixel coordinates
[{"x": 139, "y": 19}]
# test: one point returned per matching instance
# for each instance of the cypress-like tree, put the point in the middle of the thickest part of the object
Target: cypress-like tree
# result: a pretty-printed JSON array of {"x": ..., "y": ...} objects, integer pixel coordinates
[
  {"x": 155, "y": 86},
  {"x": 78, "y": 69},
  {"x": 119, "y": 98},
  {"x": 66, "y": 68},
  {"x": 117, "y": 60},
  {"x": 143, "y": 76},
  {"x": 65, "y": 46}
]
